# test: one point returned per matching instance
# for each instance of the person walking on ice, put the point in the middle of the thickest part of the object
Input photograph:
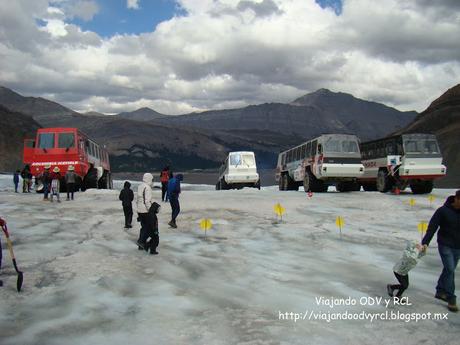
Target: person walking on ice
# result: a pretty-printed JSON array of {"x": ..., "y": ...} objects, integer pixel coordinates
[
  {"x": 408, "y": 261},
  {"x": 173, "y": 195},
  {"x": 144, "y": 202},
  {"x": 447, "y": 220},
  {"x": 126, "y": 197},
  {"x": 16, "y": 180}
]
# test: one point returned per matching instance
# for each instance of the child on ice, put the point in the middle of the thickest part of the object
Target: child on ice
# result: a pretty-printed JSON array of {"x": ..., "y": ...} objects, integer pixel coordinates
[{"x": 413, "y": 252}]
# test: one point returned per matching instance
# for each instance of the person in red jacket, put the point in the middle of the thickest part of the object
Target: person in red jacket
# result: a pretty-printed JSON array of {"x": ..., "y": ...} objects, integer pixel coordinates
[{"x": 164, "y": 178}]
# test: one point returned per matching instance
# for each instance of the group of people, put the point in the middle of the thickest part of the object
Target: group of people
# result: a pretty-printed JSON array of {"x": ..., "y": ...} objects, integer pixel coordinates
[
  {"x": 51, "y": 181},
  {"x": 446, "y": 219},
  {"x": 147, "y": 208}
]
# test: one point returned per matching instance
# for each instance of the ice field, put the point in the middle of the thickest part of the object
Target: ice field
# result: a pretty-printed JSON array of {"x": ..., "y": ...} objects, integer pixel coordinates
[{"x": 85, "y": 282}]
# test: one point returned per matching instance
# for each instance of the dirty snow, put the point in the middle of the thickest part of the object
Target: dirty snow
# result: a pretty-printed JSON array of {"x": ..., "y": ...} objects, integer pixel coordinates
[{"x": 86, "y": 282}]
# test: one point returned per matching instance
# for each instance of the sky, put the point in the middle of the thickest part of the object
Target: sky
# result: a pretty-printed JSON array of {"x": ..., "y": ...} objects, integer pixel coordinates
[{"x": 181, "y": 56}]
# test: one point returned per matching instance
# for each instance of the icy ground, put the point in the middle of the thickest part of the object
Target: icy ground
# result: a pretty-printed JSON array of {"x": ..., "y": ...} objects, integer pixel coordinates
[{"x": 86, "y": 282}]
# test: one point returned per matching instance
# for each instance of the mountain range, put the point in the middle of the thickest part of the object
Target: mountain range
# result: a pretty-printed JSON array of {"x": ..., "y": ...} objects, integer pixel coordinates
[{"x": 145, "y": 140}]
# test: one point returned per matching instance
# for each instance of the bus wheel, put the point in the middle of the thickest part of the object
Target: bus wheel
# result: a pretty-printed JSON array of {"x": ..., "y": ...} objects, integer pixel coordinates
[
  {"x": 383, "y": 182},
  {"x": 343, "y": 187},
  {"x": 223, "y": 184},
  {"x": 291, "y": 184},
  {"x": 422, "y": 187},
  {"x": 284, "y": 182}
]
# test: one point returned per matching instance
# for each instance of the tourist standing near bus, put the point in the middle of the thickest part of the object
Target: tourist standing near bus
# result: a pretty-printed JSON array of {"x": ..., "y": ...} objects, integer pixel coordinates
[
  {"x": 70, "y": 179},
  {"x": 16, "y": 180}
]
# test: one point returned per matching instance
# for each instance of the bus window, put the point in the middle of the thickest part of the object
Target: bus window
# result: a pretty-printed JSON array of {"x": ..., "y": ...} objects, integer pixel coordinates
[
  {"x": 66, "y": 140},
  {"x": 313, "y": 147},
  {"x": 303, "y": 153},
  {"x": 320, "y": 149},
  {"x": 309, "y": 149},
  {"x": 350, "y": 146},
  {"x": 46, "y": 140},
  {"x": 235, "y": 159},
  {"x": 390, "y": 149}
]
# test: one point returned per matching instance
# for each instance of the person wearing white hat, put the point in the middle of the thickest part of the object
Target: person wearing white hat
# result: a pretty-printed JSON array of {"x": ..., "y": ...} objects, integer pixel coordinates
[
  {"x": 55, "y": 184},
  {"x": 70, "y": 179},
  {"x": 45, "y": 178}
]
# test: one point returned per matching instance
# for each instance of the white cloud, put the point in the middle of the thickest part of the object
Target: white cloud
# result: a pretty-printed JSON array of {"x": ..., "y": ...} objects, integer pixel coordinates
[
  {"x": 233, "y": 53},
  {"x": 132, "y": 4}
]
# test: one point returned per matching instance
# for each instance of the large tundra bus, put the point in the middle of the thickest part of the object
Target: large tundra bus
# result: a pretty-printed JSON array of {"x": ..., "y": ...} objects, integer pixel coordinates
[
  {"x": 238, "y": 170},
  {"x": 330, "y": 159},
  {"x": 62, "y": 147},
  {"x": 403, "y": 160}
]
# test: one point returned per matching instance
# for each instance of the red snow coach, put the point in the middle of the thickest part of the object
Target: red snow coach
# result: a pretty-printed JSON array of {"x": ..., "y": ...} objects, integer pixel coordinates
[{"x": 63, "y": 147}]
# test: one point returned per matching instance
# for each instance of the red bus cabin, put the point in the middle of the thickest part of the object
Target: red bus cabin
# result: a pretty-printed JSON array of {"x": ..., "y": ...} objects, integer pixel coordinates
[{"x": 62, "y": 147}]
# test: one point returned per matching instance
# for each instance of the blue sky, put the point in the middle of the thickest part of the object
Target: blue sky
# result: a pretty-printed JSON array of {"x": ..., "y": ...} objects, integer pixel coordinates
[{"x": 114, "y": 16}]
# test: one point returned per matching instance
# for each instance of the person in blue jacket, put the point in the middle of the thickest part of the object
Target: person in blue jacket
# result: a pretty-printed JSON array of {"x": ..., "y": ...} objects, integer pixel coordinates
[
  {"x": 173, "y": 196},
  {"x": 447, "y": 220},
  {"x": 16, "y": 180}
]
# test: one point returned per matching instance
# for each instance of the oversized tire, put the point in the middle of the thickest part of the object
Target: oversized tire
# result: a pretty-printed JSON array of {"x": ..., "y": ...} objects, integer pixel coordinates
[
  {"x": 422, "y": 187},
  {"x": 90, "y": 180},
  {"x": 257, "y": 184},
  {"x": 383, "y": 182},
  {"x": 313, "y": 184},
  {"x": 284, "y": 182},
  {"x": 224, "y": 185}
]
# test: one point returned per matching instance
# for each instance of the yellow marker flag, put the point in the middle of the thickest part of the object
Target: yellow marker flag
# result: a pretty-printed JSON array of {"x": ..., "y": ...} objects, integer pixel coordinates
[
  {"x": 422, "y": 227},
  {"x": 206, "y": 224},
  {"x": 339, "y": 221},
  {"x": 412, "y": 202},
  {"x": 279, "y": 210}
]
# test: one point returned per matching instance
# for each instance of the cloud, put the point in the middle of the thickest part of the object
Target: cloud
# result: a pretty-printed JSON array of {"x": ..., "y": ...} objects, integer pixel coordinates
[
  {"x": 83, "y": 9},
  {"x": 132, "y": 4},
  {"x": 223, "y": 53}
]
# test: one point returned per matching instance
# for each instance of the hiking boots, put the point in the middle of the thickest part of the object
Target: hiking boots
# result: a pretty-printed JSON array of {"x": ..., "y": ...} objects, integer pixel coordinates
[
  {"x": 442, "y": 296},
  {"x": 452, "y": 307},
  {"x": 172, "y": 224}
]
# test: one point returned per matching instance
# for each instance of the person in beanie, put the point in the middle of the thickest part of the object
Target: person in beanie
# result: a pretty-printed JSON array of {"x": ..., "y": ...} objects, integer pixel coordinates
[
  {"x": 16, "y": 180},
  {"x": 127, "y": 196},
  {"x": 409, "y": 259},
  {"x": 56, "y": 184},
  {"x": 447, "y": 220},
  {"x": 144, "y": 201},
  {"x": 173, "y": 195},
  {"x": 164, "y": 178},
  {"x": 70, "y": 179}
]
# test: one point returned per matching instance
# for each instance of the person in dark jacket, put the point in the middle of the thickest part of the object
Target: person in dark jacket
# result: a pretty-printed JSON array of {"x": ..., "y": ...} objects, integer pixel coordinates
[
  {"x": 45, "y": 178},
  {"x": 164, "y": 178},
  {"x": 126, "y": 197},
  {"x": 153, "y": 233},
  {"x": 16, "y": 180},
  {"x": 447, "y": 220},
  {"x": 173, "y": 195}
]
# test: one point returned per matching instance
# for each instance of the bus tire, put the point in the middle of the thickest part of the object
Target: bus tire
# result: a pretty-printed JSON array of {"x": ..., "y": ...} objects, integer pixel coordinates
[
  {"x": 422, "y": 187},
  {"x": 291, "y": 184},
  {"x": 343, "y": 187},
  {"x": 257, "y": 184},
  {"x": 223, "y": 184},
  {"x": 383, "y": 182},
  {"x": 284, "y": 182},
  {"x": 307, "y": 182}
]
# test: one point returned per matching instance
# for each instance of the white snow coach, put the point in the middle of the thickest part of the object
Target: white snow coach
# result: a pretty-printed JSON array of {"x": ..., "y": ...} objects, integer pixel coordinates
[
  {"x": 330, "y": 159},
  {"x": 238, "y": 170},
  {"x": 399, "y": 161}
]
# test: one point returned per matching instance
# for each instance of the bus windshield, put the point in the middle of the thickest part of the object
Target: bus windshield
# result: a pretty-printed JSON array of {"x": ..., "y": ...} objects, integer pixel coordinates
[
  {"x": 421, "y": 146},
  {"x": 242, "y": 159},
  {"x": 342, "y": 146},
  {"x": 66, "y": 140},
  {"x": 46, "y": 140}
]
